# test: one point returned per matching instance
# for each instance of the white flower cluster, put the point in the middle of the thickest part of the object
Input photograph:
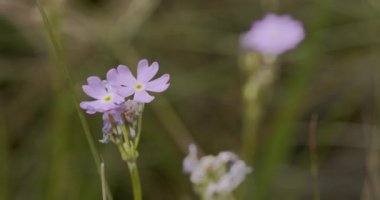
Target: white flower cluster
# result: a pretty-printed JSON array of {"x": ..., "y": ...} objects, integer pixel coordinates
[{"x": 215, "y": 177}]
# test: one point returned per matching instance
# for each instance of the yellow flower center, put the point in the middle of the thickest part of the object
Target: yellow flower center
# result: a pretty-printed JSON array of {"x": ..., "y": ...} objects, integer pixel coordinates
[
  {"x": 139, "y": 86},
  {"x": 107, "y": 98}
]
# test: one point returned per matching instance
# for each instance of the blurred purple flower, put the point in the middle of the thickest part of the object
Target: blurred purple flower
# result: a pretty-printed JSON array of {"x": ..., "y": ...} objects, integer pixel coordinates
[
  {"x": 126, "y": 84},
  {"x": 273, "y": 35},
  {"x": 106, "y": 97}
]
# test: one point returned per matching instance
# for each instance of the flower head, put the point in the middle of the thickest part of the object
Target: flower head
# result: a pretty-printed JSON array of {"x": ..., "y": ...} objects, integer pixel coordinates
[
  {"x": 125, "y": 113},
  {"x": 273, "y": 35},
  {"x": 126, "y": 84},
  {"x": 110, "y": 119},
  {"x": 215, "y": 176},
  {"x": 106, "y": 96}
]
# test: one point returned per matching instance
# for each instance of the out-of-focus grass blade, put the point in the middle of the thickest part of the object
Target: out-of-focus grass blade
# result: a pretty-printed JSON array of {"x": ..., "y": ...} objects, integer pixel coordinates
[
  {"x": 4, "y": 161},
  {"x": 61, "y": 65},
  {"x": 314, "y": 156},
  {"x": 60, "y": 182},
  {"x": 103, "y": 179}
]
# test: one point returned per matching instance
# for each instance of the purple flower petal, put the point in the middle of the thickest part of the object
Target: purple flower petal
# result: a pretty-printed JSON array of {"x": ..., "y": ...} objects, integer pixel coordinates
[
  {"x": 117, "y": 99},
  {"x": 159, "y": 84},
  {"x": 146, "y": 72},
  {"x": 143, "y": 97},
  {"x": 273, "y": 35},
  {"x": 122, "y": 80},
  {"x": 94, "y": 82},
  {"x": 95, "y": 88},
  {"x": 94, "y": 93},
  {"x": 92, "y": 107},
  {"x": 125, "y": 91},
  {"x": 112, "y": 77},
  {"x": 125, "y": 75}
]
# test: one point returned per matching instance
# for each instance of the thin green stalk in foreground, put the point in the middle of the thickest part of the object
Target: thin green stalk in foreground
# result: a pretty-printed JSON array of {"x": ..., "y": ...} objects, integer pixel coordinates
[
  {"x": 314, "y": 156},
  {"x": 4, "y": 160},
  {"x": 60, "y": 62},
  {"x": 135, "y": 180},
  {"x": 103, "y": 179}
]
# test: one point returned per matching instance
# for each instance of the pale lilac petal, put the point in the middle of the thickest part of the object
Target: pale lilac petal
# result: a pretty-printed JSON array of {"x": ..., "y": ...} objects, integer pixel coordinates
[
  {"x": 112, "y": 77},
  {"x": 143, "y": 97},
  {"x": 94, "y": 93},
  {"x": 100, "y": 106},
  {"x": 92, "y": 107},
  {"x": 159, "y": 84},
  {"x": 107, "y": 106},
  {"x": 95, "y": 87},
  {"x": 94, "y": 82},
  {"x": 85, "y": 106},
  {"x": 125, "y": 91},
  {"x": 142, "y": 66},
  {"x": 125, "y": 76},
  {"x": 146, "y": 72},
  {"x": 117, "y": 99}
]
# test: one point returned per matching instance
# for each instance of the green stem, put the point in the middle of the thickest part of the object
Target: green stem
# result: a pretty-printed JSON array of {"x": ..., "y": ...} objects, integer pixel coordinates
[
  {"x": 104, "y": 183},
  {"x": 124, "y": 155},
  {"x": 135, "y": 180},
  {"x": 125, "y": 132},
  {"x": 262, "y": 71},
  {"x": 255, "y": 92},
  {"x": 139, "y": 124}
]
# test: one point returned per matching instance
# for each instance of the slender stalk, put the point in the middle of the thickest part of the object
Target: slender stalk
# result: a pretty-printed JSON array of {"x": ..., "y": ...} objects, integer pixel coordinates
[
  {"x": 126, "y": 137},
  {"x": 137, "y": 195},
  {"x": 370, "y": 125},
  {"x": 133, "y": 170},
  {"x": 171, "y": 120},
  {"x": 124, "y": 155},
  {"x": 139, "y": 124},
  {"x": 4, "y": 160},
  {"x": 372, "y": 184},
  {"x": 104, "y": 183},
  {"x": 60, "y": 61},
  {"x": 261, "y": 72},
  {"x": 314, "y": 156}
]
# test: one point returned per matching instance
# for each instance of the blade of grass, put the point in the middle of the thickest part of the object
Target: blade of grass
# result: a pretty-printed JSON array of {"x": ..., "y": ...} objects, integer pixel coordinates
[
  {"x": 314, "y": 156},
  {"x": 4, "y": 160},
  {"x": 58, "y": 184},
  {"x": 369, "y": 119},
  {"x": 172, "y": 122},
  {"x": 61, "y": 65},
  {"x": 104, "y": 182}
]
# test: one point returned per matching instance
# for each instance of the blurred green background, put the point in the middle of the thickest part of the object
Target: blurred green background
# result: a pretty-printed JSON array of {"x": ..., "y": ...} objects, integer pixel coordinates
[{"x": 334, "y": 74}]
